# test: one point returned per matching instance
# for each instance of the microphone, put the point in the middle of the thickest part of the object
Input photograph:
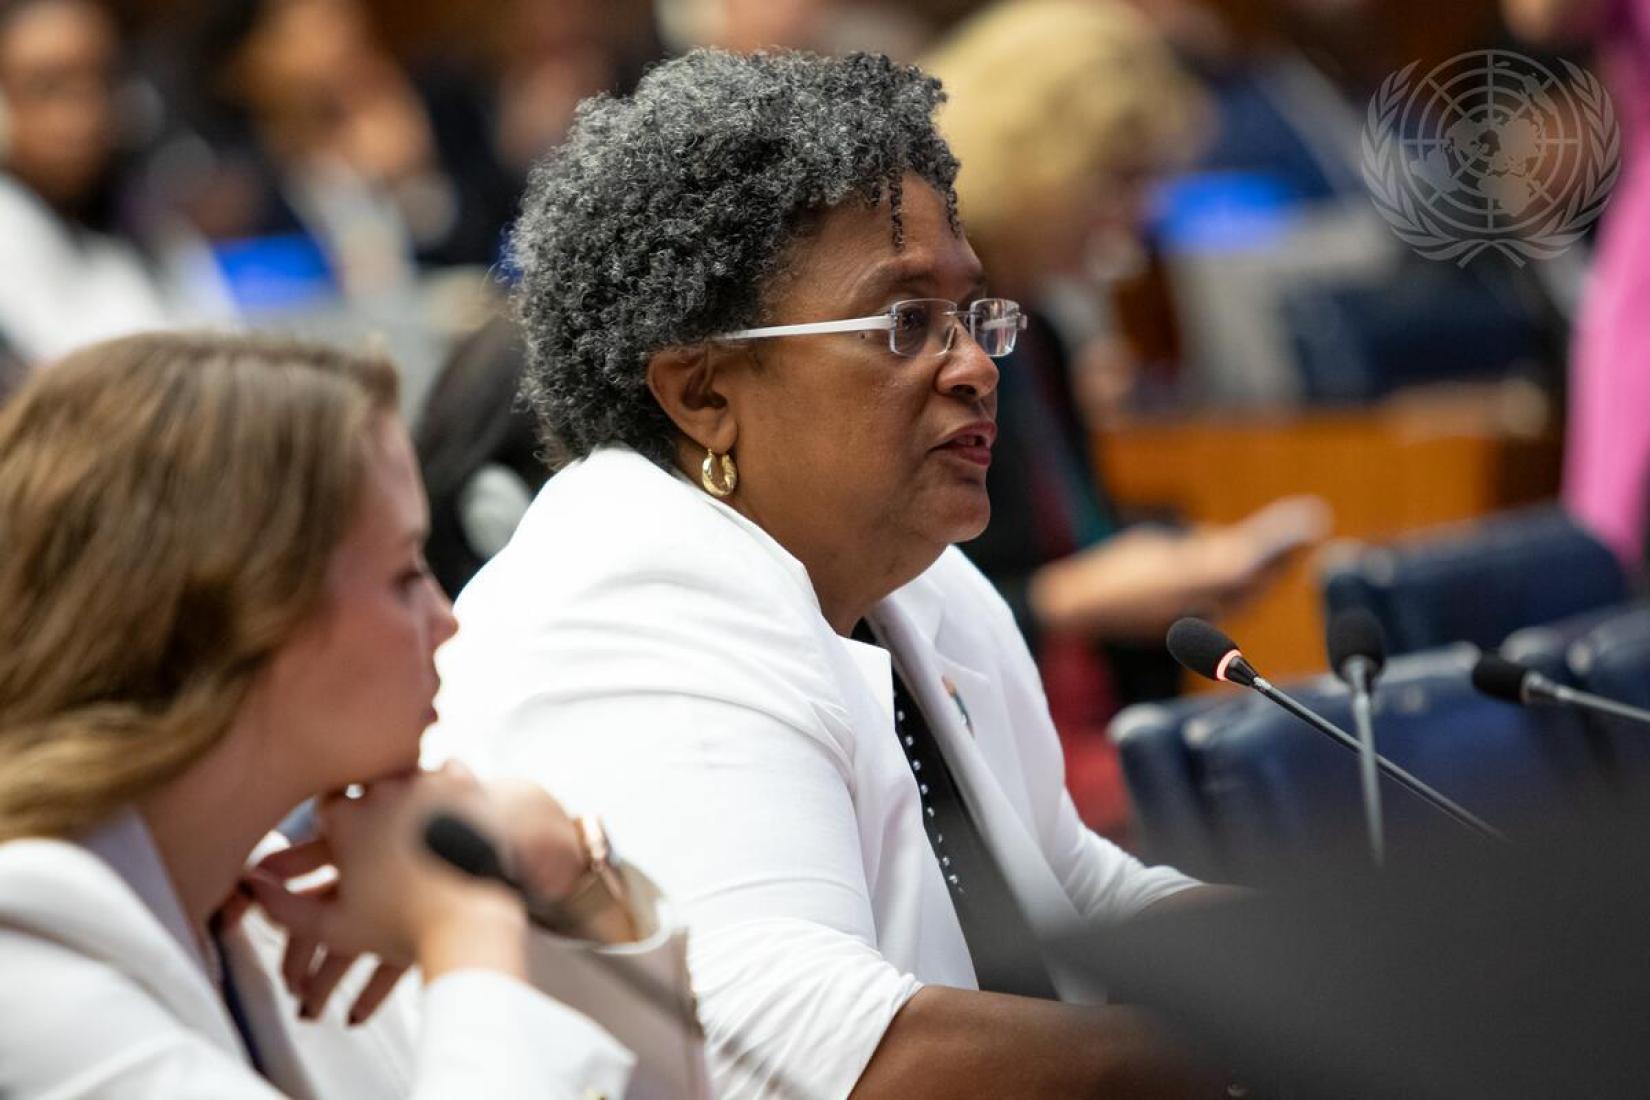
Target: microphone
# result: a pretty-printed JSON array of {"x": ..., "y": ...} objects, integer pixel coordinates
[
  {"x": 1357, "y": 646},
  {"x": 1207, "y": 651},
  {"x": 463, "y": 847},
  {"x": 1512, "y": 682},
  {"x": 1357, "y": 653},
  {"x": 459, "y": 844},
  {"x": 1202, "y": 649}
]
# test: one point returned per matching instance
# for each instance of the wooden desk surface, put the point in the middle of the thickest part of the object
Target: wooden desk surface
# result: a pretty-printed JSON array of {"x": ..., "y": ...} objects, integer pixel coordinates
[{"x": 1414, "y": 462}]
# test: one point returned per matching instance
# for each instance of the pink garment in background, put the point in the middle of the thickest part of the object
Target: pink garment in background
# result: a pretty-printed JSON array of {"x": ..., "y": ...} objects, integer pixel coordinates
[{"x": 1607, "y": 460}]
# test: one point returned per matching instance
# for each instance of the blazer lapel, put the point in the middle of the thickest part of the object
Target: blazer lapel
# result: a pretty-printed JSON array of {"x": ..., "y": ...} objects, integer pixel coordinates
[
  {"x": 966, "y": 712},
  {"x": 60, "y": 892},
  {"x": 270, "y": 1015}
]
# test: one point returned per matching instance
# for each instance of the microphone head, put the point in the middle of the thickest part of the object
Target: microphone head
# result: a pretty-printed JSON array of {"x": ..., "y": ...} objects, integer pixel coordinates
[
  {"x": 1499, "y": 678},
  {"x": 455, "y": 841},
  {"x": 1356, "y": 632},
  {"x": 1207, "y": 651}
]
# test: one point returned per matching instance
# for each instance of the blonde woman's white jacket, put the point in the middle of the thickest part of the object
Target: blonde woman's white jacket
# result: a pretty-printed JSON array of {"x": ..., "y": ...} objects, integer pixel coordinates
[
  {"x": 102, "y": 995},
  {"x": 645, "y": 651}
]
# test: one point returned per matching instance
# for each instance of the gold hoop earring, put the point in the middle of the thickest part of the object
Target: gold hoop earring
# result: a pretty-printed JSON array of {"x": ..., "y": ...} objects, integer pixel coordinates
[{"x": 707, "y": 474}]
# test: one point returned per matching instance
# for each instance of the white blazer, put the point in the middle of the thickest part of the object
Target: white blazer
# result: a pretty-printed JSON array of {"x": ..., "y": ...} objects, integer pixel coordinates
[
  {"x": 647, "y": 653},
  {"x": 103, "y": 993}
]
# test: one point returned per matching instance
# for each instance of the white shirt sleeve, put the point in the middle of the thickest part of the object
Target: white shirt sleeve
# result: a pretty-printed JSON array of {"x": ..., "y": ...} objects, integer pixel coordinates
[
  {"x": 639, "y": 992},
  {"x": 769, "y": 878},
  {"x": 488, "y": 1034}
]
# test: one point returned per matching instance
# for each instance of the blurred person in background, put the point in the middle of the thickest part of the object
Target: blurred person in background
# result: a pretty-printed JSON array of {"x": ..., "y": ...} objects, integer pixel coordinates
[
  {"x": 479, "y": 451},
  {"x": 213, "y": 606},
  {"x": 550, "y": 56},
  {"x": 1056, "y": 158},
  {"x": 822, "y": 26},
  {"x": 1290, "y": 288},
  {"x": 1607, "y": 445},
  {"x": 319, "y": 130},
  {"x": 69, "y": 275}
]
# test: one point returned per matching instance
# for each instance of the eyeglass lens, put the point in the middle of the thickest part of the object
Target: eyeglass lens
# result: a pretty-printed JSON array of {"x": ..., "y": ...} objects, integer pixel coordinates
[{"x": 929, "y": 325}]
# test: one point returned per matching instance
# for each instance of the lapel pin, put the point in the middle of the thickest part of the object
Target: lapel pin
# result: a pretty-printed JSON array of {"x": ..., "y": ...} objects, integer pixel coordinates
[{"x": 956, "y": 697}]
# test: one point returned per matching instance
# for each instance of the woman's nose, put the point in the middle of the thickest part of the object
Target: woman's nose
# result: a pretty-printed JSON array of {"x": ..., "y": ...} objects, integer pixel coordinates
[{"x": 968, "y": 371}]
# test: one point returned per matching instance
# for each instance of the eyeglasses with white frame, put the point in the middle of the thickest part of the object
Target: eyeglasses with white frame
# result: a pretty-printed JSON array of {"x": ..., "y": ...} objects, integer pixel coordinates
[{"x": 916, "y": 325}]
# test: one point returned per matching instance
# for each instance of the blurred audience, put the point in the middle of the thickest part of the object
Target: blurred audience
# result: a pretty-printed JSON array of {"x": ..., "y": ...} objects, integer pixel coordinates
[
  {"x": 320, "y": 131},
  {"x": 1607, "y": 456},
  {"x": 1055, "y": 160},
  {"x": 549, "y": 57},
  {"x": 823, "y": 26},
  {"x": 70, "y": 273},
  {"x": 1290, "y": 287}
]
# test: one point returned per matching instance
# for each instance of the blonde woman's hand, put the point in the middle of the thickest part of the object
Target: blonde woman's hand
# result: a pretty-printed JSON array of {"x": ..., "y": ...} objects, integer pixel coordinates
[
  {"x": 310, "y": 970},
  {"x": 390, "y": 898}
]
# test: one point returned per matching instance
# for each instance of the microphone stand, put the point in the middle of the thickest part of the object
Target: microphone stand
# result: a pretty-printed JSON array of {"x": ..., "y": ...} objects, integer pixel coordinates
[
  {"x": 1363, "y": 720},
  {"x": 1541, "y": 689},
  {"x": 1392, "y": 771}
]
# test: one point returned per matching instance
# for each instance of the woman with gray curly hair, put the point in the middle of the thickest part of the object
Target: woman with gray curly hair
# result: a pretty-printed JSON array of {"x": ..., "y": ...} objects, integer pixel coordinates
[{"x": 735, "y": 621}]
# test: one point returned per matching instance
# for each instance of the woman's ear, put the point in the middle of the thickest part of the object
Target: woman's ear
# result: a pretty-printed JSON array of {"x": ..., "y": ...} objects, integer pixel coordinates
[{"x": 689, "y": 384}]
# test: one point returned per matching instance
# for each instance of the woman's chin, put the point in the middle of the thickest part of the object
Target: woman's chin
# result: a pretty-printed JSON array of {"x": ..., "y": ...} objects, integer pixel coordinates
[
  {"x": 401, "y": 765},
  {"x": 963, "y": 516}
]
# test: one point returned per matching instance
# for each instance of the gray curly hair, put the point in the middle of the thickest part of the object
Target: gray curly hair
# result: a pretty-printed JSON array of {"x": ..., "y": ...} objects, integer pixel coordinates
[{"x": 665, "y": 218}]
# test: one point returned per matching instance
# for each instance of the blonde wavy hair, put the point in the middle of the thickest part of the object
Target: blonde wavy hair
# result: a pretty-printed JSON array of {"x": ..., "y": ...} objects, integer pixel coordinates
[
  {"x": 1042, "y": 94},
  {"x": 168, "y": 508}
]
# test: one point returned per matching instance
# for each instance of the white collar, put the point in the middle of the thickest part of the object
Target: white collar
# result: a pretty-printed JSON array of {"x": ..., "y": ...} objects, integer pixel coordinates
[
  {"x": 126, "y": 845},
  {"x": 64, "y": 892}
]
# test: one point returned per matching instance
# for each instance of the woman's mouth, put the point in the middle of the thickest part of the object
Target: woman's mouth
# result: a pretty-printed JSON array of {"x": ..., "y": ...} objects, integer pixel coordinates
[{"x": 972, "y": 444}]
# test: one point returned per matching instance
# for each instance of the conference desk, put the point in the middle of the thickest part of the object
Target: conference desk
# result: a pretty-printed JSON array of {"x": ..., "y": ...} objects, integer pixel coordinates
[{"x": 1418, "y": 460}]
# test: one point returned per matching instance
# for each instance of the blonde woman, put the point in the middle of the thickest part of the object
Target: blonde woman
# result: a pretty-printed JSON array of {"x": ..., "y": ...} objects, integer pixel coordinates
[
  {"x": 1056, "y": 157},
  {"x": 213, "y": 605}
]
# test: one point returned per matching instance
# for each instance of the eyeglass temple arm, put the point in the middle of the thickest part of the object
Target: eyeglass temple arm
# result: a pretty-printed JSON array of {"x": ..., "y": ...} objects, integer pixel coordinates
[{"x": 854, "y": 324}]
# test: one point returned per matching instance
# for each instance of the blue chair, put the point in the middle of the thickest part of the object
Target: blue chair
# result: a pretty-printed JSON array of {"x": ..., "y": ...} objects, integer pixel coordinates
[
  {"x": 1546, "y": 647},
  {"x": 1171, "y": 822},
  {"x": 1613, "y": 660},
  {"x": 1281, "y": 796},
  {"x": 1553, "y": 649},
  {"x": 1476, "y": 582}
]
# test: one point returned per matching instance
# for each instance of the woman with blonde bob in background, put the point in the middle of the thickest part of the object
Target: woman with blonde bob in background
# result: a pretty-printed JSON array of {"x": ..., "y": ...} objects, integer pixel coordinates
[
  {"x": 213, "y": 606},
  {"x": 1056, "y": 160}
]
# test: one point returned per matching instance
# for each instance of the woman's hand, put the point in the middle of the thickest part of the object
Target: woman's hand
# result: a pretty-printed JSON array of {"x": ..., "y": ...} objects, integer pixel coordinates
[
  {"x": 1135, "y": 584},
  {"x": 541, "y": 840},
  {"x": 390, "y": 898},
  {"x": 549, "y": 858}
]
